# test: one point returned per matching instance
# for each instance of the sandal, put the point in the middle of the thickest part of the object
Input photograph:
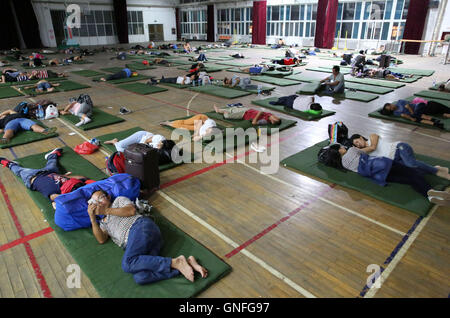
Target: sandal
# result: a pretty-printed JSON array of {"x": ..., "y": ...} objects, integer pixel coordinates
[
  {"x": 3, "y": 141},
  {"x": 48, "y": 131}
]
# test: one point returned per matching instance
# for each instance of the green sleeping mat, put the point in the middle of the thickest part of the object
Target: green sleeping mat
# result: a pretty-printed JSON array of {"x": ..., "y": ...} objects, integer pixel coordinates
[
  {"x": 377, "y": 114},
  {"x": 124, "y": 134},
  {"x": 142, "y": 88},
  {"x": 113, "y": 69},
  {"x": 7, "y": 92},
  {"x": 302, "y": 78},
  {"x": 26, "y": 83},
  {"x": 296, "y": 113},
  {"x": 140, "y": 66},
  {"x": 368, "y": 88},
  {"x": 433, "y": 94},
  {"x": 436, "y": 86},
  {"x": 411, "y": 71},
  {"x": 88, "y": 73},
  {"x": 375, "y": 82},
  {"x": 220, "y": 91},
  {"x": 399, "y": 195},
  {"x": 274, "y": 80},
  {"x": 25, "y": 137},
  {"x": 244, "y": 124},
  {"x": 102, "y": 262},
  {"x": 236, "y": 64},
  {"x": 64, "y": 86},
  {"x": 209, "y": 68},
  {"x": 310, "y": 88},
  {"x": 99, "y": 119},
  {"x": 326, "y": 70},
  {"x": 174, "y": 85},
  {"x": 140, "y": 77}
]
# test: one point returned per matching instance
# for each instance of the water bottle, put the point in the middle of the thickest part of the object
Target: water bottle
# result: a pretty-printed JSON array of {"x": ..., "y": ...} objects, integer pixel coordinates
[
  {"x": 40, "y": 112},
  {"x": 259, "y": 90},
  {"x": 95, "y": 141}
]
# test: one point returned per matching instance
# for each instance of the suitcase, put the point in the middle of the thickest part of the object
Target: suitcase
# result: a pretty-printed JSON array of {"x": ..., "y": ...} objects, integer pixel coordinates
[
  {"x": 141, "y": 161},
  {"x": 385, "y": 61}
]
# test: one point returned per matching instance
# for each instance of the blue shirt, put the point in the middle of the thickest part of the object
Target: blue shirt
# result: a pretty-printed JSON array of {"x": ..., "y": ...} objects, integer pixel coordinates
[
  {"x": 401, "y": 108},
  {"x": 47, "y": 184},
  {"x": 128, "y": 71}
]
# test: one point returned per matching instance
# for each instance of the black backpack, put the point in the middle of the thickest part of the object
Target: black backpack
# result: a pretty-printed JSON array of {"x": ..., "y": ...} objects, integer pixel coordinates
[{"x": 338, "y": 133}]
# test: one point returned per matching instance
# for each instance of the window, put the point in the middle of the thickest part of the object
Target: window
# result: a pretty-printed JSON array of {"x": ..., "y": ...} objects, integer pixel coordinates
[
  {"x": 349, "y": 11},
  {"x": 289, "y": 20},
  {"x": 234, "y": 21},
  {"x": 135, "y": 22},
  {"x": 94, "y": 24},
  {"x": 194, "y": 22}
]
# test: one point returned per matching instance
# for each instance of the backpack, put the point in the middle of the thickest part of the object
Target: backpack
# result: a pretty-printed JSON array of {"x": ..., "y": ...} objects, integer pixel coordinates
[
  {"x": 338, "y": 133},
  {"x": 51, "y": 112},
  {"x": 115, "y": 163},
  {"x": 85, "y": 98},
  {"x": 22, "y": 108},
  {"x": 122, "y": 56},
  {"x": 323, "y": 155}
]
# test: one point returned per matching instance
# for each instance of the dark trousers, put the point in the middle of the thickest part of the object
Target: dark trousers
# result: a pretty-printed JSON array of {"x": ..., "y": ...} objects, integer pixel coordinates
[
  {"x": 287, "y": 101},
  {"x": 168, "y": 80},
  {"x": 434, "y": 108},
  {"x": 405, "y": 175},
  {"x": 118, "y": 75}
]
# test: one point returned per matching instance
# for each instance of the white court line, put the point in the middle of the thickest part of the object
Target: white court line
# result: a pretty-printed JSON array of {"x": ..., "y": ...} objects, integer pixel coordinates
[
  {"x": 233, "y": 244},
  {"x": 322, "y": 199},
  {"x": 189, "y": 104},
  {"x": 397, "y": 258}
]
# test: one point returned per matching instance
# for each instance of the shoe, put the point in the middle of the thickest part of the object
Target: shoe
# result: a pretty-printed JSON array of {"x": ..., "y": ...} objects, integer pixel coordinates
[
  {"x": 6, "y": 162},
  {"x": 81, "y": 122},
  {"x": 440, "y": 194},
  {"x": 57, "y": 151},
  {"x": 124, "y": 111},
  {"x": 87, "y": 120},
  {"x": 3, "y": 141},
  {"x": 439, "y": 201},
  {"x": 48, "y": 131}
]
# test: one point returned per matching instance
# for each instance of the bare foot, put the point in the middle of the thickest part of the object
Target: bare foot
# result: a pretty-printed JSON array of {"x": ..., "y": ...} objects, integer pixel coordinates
[
  {"x": 443, "y": 169},
  {"x": 197, "y": 267},
  {"x": 446, "y": 115},
  {"x": 182, "y": 265},
  {"x": 216, "y": 109},
  {"x": 111, "y": 142},
  {"x": 165, "y": 123}
]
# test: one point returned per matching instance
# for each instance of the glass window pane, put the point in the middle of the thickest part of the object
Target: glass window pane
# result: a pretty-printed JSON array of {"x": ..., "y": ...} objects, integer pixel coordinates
[
  {"x": 269, "y": 13},
  {"x": 90, "y": 18},
  {"x": 295, "y": 13},
  {"x": 84, "y": 30},
  {"x": 98, "y": 17},
  {"x": 377, "y": 10},
  {"x": 297, "y": 29},
  {"x": 339, "y": 13},
  {"x": 367, "y": 10},
  {"x": 133, "y": 16},
  {"x": 398, "y": 9},
  {"x": 108, "y": 16},
  {"x": 384, "y": 34},
  {"x": 135, "y": 28},
  {"x": 308, "y": 26},
  {"x": 388, "y": 11},
  {"x": 308, "y": 12},
  {"x": 349, "y": 11},
  {"x": 100, "y": 29},
  {"x": 275, "y": 13},
  {"x": 338, "y": 30},
  {"x": 301, "y": 29},
  {"x": 140, "y": 17},
  {"x": 377, "y": 32},
  {"x": 313, "y": 29},
  {"x": 355, "y": 30},
  {"x": 405, "y": 10},
  {"x": 108, "y": 28},
  {"x": 394, "y": 31},
  {"x": 358, "y": 11},
  {"x": 288, "y": 13},
  {"x": 363, "y": 30},
  {"x": 92, "y": 30},
  {"x": 281, "y": 12},
  {"x": 346, "y": 30},
  {"x": 402, "y": 29},
  {"x": 75, "y": 32},
  {"x": 222, "y": 15},
  {"x": 302, "y": 12},
  {"x": 314, "y": 12}
]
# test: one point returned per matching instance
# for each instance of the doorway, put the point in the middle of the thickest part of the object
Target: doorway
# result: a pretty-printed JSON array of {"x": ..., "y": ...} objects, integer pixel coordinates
[
  {"x": 156, "y": 32},
  {"x": 58, "y": 18}
]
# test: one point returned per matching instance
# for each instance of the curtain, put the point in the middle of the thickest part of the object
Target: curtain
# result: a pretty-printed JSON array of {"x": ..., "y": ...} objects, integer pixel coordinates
[
  {"x": 120, "y": 14},
  {"x": 415, "y": 23},
  {"x": 8, "y": 39},
  {"x": 28, "y": 23},
  {"x": 326, "y": 23},
  {"x": 210, "y": 32},
  {"x": 178, "y": 23},
  {"x": 259, "y": 22}
]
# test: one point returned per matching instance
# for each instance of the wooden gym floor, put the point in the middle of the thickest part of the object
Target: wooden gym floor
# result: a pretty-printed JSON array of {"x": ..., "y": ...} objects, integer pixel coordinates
[{"x": 285, "y": 235}]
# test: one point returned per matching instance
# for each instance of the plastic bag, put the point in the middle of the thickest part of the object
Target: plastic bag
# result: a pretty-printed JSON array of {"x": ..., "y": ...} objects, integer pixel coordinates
[{"x": 86, "y": 148}]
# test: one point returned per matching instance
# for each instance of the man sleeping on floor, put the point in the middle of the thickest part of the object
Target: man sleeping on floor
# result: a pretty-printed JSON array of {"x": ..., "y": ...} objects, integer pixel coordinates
[{"x": 256, "y": 117}]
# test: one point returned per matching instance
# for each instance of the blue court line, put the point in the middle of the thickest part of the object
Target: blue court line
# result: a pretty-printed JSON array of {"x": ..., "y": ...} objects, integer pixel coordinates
[
  {"x": 13, "y": 153},
  {"x": 394, "y": 252},
  {"x": 59, "y": 138}
]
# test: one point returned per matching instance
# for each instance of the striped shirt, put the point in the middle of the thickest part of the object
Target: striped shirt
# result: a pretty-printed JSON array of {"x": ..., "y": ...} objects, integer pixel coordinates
[
  {"x": 22, "y": 78},
  {"x": 40, "y": 74},
  {"x": 350, "y": 160},
  {"x": 118, "y": 227}
]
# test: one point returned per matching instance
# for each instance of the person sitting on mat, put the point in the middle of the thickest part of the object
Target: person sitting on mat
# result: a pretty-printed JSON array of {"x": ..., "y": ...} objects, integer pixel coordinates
[
  {"x": 398, "y": 151},
  {"x": 359, "y": 61},
  {"x": 293, "y": 61},
  {"x": 333, "y": 84},
  {"x": 141, "y": 239},
  {"x": 48, "y": 180},
  {"x": 82, "y": 110},
  {"x": 43, "y": 86},
  {"x": 187, "y": 47},
  {"x": 34, "y": 62},
  {"x": 124, "y": 73},
  {"x": 235, "y": 80},
  {"x": 200, "y": 124},
  {"x": 158, "y": 142},
  {"x": 418, "y": 112},
  {"x": 200, "y": 58},
  {"x": 256, "y": 117},
  {"x": 381, "y": 170},
  {"x": 301, "y": 103},
  {"x": 12, "y": 122}
]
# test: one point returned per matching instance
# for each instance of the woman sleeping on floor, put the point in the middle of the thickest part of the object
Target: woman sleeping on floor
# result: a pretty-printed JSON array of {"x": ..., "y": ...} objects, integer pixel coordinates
[
  {"x": 158, "y": 142},
  {"x": 200, "y": 124},
  {"x": 419, "y": 110},
  {"x": 381, "y": 170}
]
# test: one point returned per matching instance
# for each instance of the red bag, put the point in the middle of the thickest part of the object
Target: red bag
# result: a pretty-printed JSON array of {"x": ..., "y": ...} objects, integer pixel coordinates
[{"x": 86, "y": 148}]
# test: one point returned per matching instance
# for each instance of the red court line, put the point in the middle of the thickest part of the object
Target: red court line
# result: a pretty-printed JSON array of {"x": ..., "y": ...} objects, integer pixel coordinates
[
  {"x": 31, "y": 257},
  {"x": 274, "y": 225},
  {"x": 25, "y": 239}
]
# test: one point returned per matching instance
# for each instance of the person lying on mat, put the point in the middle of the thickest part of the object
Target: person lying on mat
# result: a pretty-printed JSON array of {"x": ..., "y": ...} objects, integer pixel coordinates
[
  {"x": 41, "y": 74},
  {"x": 398, "y": 151},
  {"x": 12, "y": 122},
  {"x": 235, "y": 80},
  {"x": 13, "y": 75},
  {"x": 333, "y": 84},
  {"x": 182, "y": 80},
  {"x": 445, "y": 87},
  {"x": 255, "y": 116},
  {"x": 159, "y": 142},
  {"x": 82, "y": 110},
  {"x": 161, "y": 61},
  {"x": 200, "y": 58},
  {"x": 34, "y": 62},
  {"x": 299, "y": 102},
  {"x": 43, "y": 86},
  {"x": 141, "y": 239},
  {"x": 200, "y": 124},
  {"x": 384, "y": 73},
  {"x": 381, "y": 170},
  {"x": 237, "y": 56},
  {"x": 288, "y": 61},
  {"x": 420, "y": 112},
  {"x": 48, "y": 180},
  {"x": 124, "y": 73}
]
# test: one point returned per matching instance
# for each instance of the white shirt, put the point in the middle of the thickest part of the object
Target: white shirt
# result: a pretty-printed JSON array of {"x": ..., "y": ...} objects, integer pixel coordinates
[
  {"x": 209, "y": 123},
  {"x": 181, "y": 78},
  {"x": 302, "y": 103},
  {"x": 156, "y": 139},
  {"x": 385, "y": 149}
]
